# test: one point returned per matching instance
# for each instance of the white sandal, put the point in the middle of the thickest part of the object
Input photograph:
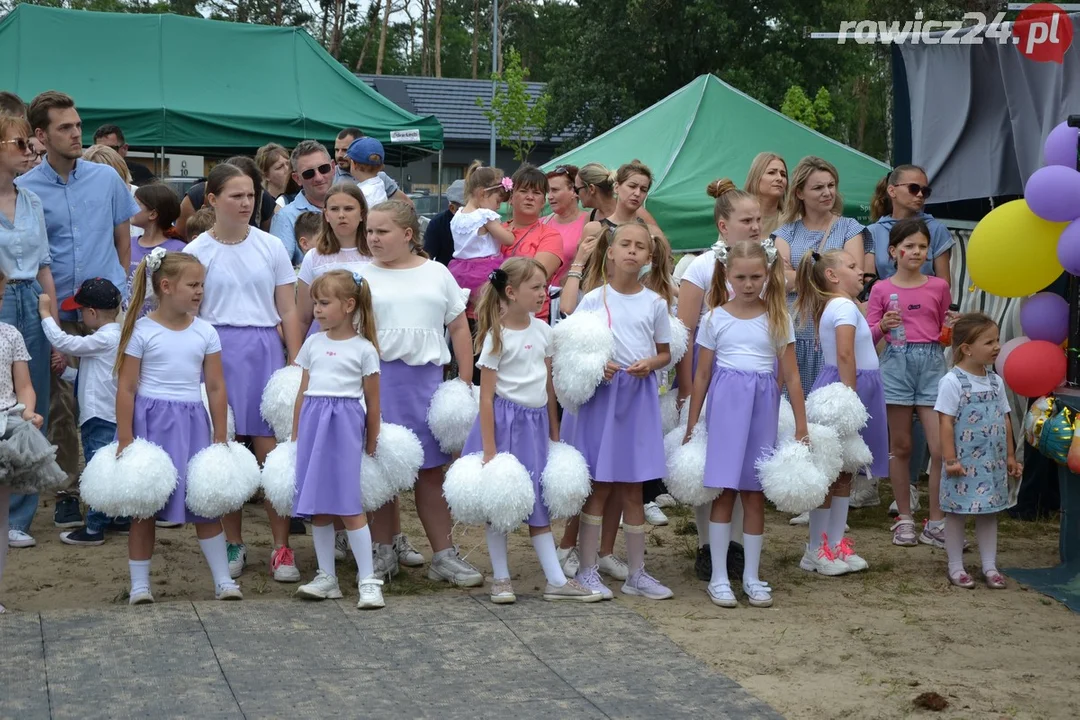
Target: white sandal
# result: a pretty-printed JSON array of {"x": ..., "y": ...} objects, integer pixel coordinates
[
  {"x": 722, "y": 595},
  {"x": 758, "y": 594}
]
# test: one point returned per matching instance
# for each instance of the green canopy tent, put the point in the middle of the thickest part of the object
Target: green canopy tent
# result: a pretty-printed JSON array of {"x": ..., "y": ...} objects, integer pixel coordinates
[
  {"x": 197, "y": 84},
  {"x": 708, "y": 130}
]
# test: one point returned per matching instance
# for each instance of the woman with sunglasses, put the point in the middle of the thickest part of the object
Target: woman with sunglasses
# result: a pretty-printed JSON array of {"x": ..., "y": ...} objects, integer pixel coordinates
[
  {"x": 261, "y": 214},
  {"x": 902, "y": 194}
]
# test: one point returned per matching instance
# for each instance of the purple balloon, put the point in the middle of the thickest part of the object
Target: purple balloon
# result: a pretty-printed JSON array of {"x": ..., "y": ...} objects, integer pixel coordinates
[
  {"x": 1068, "y": 248},
  {"x": 1045, "y": 316},
  {"x": 1053, "y": 193},
  {"x": 1060, "y": 146}
]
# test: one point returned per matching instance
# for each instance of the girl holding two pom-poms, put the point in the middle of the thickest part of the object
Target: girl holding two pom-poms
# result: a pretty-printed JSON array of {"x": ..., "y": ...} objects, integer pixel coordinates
[
  {"x": 827, "y": 285},
  {"x": 160, "y": 364},
  {"x": 518, "y": 414},
  {"x": 336, "y": 423},
  {"x": 741, "y": 339}
]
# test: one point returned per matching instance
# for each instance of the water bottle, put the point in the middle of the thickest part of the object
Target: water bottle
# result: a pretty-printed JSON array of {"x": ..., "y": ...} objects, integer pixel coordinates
[
  {"x": 946, "y": 328},
  {"x": 897, "y": 336}
]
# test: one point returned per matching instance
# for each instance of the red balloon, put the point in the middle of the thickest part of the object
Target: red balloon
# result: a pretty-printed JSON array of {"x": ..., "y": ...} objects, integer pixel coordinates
[{"x": 1035, "y": 368}]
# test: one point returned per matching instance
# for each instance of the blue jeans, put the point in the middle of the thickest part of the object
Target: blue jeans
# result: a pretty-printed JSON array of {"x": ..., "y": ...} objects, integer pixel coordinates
[
  {"x": 20, "y": 308},
  {"x": 96, "y": 434}
]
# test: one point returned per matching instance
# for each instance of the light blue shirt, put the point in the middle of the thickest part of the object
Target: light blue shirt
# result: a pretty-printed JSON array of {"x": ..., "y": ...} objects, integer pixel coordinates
[
  {"x": 941, "y": 240},
  {"x": 80, "y": 217},
  {"x": 283, "y": 226},
  {"x": 24, "y": 245}
]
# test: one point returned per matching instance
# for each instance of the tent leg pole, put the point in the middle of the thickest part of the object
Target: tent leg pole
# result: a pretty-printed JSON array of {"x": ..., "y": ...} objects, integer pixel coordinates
[
  {"x": 162, "y": 170},
  {"x": 440, "y": 175}
]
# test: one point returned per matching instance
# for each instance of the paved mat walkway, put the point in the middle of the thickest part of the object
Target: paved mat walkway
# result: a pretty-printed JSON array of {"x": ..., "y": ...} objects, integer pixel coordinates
[{"x": 433, "y": 656}]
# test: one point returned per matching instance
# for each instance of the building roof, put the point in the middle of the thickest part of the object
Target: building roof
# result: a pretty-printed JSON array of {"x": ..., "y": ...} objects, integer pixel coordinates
[{"x": 451, "y": 100}]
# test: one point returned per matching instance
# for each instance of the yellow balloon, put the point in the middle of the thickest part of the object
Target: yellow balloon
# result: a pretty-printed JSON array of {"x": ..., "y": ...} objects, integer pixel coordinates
[{"x": 1013, "y": 252}]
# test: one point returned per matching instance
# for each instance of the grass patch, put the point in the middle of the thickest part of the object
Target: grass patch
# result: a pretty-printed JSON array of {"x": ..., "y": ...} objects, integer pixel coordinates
[{"x": 406, "y": 583}]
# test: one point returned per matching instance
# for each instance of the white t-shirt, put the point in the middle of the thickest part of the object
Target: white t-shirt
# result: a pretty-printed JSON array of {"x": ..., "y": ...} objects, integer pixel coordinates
[
  {"x": 468, "y": 244},
  {"x": 374, "y": 190},
  {"x": 241, "y": 279},
  {"x": 337, "y": 368},
  {"x": 172, "y": 360},
  {"x": 741, "y": 344},
  {"x": 948, "y": 394},
  {"x": 522, "y": 372},
  {"x": 314, "y": 264},
  {"x": 412, "y": 307},
  {"x": 842, "y": 311},
  {"x": 639, "y": 322}
]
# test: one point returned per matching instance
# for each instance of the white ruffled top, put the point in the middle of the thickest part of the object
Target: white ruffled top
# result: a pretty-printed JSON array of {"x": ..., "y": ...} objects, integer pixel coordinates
[
  {"x": 413, "y": 306},
  {"x": 468, "y": 244}
]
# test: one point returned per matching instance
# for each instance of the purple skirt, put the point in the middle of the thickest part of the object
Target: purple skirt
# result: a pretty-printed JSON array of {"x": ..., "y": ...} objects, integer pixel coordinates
[
  {"x": 872, "y": 393},
  {"x": 524, "y": 433},
  {"x": 619, "y": 430},
  {"x": 181, "y": 429},
  {"x": 405, "y": 393},
  {"x": 329, "y": 449},
  {"x": 742, "y": 415},
  {"x": 249, "y": 356}
]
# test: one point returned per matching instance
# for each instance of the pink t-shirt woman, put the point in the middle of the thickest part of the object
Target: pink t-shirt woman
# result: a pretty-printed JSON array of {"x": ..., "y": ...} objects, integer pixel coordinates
[{"x": 571, "y": 235}]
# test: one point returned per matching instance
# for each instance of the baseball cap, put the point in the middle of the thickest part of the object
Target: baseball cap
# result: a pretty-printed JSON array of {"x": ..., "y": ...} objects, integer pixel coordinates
[
  {"x": 456, "y": 192},
  {"x": 366, "y": 151},
  {"x": 96, "y": 293}
]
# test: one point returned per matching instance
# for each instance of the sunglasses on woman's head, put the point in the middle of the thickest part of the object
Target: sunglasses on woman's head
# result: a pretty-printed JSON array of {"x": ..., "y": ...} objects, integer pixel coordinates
[
  {"x": 323, "y": 169},
  {"x": 916, "y": 189},
  {"x": 21, "y": 143},
  {"x": 561, "y": 170}
]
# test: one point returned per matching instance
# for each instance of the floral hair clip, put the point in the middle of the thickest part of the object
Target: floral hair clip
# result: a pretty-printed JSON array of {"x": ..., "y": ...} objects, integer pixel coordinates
[
  {"x": 507, "y": 184},
  {"x": 153, "y": 260}
]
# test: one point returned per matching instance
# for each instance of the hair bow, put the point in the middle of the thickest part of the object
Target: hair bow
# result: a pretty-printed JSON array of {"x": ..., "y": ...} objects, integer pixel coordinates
[
  {"x": 498, "y": 279},
  {"x": 720, "y": 249},
  {"x": 358, "y": 278},
  {"x": 507, "y": 184},
  {"x": 770, "y": 250},
  {"x": 153, "y": 260}
]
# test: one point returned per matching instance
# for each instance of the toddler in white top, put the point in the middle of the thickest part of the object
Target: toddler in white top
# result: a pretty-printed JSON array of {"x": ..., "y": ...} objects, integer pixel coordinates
[{"x": 479, "y": 236}]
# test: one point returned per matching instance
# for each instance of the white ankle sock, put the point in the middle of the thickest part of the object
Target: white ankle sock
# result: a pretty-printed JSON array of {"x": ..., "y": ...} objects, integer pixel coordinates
[
  {"x": 954, "y": 542},
  {"x": 701, "y": 519},
  {"x": 719, "y": 539},
  {"x": 140, "y": 574},
  {"x": 549, "y": 560},
  {"x": 360, "y": 544},
  {"x": 217, "y": 557},
  {"x": 837, "y": 520},
  {"x": 752, "y": 545},
  {"x": 322, "y": 537},
  {"x": 986, "y": 536},
  {"x": 496, "y": 542},
  {"x": 819, "y": 525}
]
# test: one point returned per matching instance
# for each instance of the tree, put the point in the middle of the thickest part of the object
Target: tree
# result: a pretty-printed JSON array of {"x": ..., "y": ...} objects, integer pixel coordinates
[
  {"x": 815, "y": 114},
  {"x": 517, "y": 122},
  {"x": 389, "y": 8},
  {"x": 438, "y": 38}
]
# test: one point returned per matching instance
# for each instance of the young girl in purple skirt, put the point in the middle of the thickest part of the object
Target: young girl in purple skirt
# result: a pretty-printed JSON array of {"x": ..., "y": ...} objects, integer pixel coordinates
[
  {"x": 619, "y": 430},
  {"x": 742, "y": 337},
  {"x": 416, "y": 301},
  {"x": 160, "y": 364},
  {"x": 336, "y": 422},
  {"x": 518, "y": 414},
  {"x": 250, "y": 290},
  {"x": 827, "y": 285}
]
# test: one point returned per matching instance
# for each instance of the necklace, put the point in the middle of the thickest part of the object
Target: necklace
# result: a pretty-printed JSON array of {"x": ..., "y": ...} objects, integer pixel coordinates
[{"x": 213, "y": 234}]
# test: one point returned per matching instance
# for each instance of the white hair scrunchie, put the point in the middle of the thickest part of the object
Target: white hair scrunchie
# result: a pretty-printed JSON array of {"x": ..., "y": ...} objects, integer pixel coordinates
[
  {"x": 720, "y": 249},
  {"x": 770, "y": 249},
  {"x": 153, "y": 260}
]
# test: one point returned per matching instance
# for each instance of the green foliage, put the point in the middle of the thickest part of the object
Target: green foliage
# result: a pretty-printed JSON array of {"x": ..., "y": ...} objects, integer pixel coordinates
[
  {"x": 815, "y": 114},
  {"x": 518, "y": 118}
]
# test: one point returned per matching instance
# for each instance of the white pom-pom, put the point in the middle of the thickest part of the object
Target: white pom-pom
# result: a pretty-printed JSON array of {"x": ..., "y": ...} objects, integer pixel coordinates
[
  {"x": 837, "y": 406},
  {"x": 790, "y": 479},
  {"x": 393, "y": 468},
  {"x": 451, "y": 415},
  {"x": 686, "y": 467},
  {"x": 565, "y": 482},
  {"x": 279, "y": 401},
  {"x": 583, "y": 346},
  {"x": 508, "y": 495},
  {"x": 220, "y": 479},
  {"x": 230, "y": 419},
  {"x": 669, "y": 411},
  {"x": 786, "y": 429},
  {"x": 680, "y": 341},
  {"x": 279, "y": 478},
  {"x": 826, "y": 451},
  {"x": 138, "y": 484},
  {"x": 464, "y": 489},
  {"x": 857, "y": 455}
]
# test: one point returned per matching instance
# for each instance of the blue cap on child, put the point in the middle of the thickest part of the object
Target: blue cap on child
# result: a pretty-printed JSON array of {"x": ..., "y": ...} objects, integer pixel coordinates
[{"x": 366, "y": 151}]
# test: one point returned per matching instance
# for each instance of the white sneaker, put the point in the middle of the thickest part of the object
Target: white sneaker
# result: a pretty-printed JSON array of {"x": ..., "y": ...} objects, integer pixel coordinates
[
  {"x": 19, "y": 539},
  {"x": 237, "y": 555},
  {"x": 914, "y": 495},
  {"x": 823, "y": 561},
  {"x": 654, "y": 515},
  {"x": 758, "y": 594},
  {"x": 845, "y": 551},
  {"x": 803, "y": 519},
  {"x": 370, "y": 594},
  {"x": 141, "y": 596},
  {"x": 864, "y": 492},
  {"x": 385, "y": 561},
  {"x": 323, "y": 587},
  {"x": 666, "y": 500},
  {"x": 613, "y": 567},
  {"x": 231, "y": 591},
  {"x": 722, "y": 595},
  {"x": 642, "y": 584},
  {"x": 341, "y": 545},
  {"x": 569, "y": 560},
  {"x": 449, "y": 567},
  {"x": 502, "y": 592},
  {"x": 407, "y": 555}
]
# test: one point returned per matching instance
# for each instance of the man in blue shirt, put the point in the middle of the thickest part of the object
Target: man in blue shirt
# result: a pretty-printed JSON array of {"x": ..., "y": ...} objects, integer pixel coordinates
[
  {"x": 313, "y": 170},
  {"x": 87, "y": 207}
]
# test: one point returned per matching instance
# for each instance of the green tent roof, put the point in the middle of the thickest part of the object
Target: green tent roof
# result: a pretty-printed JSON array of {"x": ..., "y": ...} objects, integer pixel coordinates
[
  {"x": 183, "y": 82},
  {"x": 708, "y": 130}
]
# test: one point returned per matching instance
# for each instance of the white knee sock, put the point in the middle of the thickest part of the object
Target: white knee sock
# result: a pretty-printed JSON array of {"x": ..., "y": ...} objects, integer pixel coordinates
[
  {"x": 701, "y": 519},
  {"x": 986, "y": 536},
  {"x": 549, "y": 560},
  {"x": 635, "y": 546},
  {"x": 752, "y": 545},
  {"x": 323, "y": 539},
  {"x": 736, "y": 521},
  {"x": 589, "y": 539},
  {"x": 5, "y": 496},
  {"x": 819, "y": 525},
  {"x": 140, "y": 574},
  {"x": 719, "y": 539},
  {"x": 217, "y": 557},
  {"x": 837, "y": 520},
  {"x": 500, "y": 563},
  {"x": 360, "y": 544},
  {"x": 954, "y": 541}
]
